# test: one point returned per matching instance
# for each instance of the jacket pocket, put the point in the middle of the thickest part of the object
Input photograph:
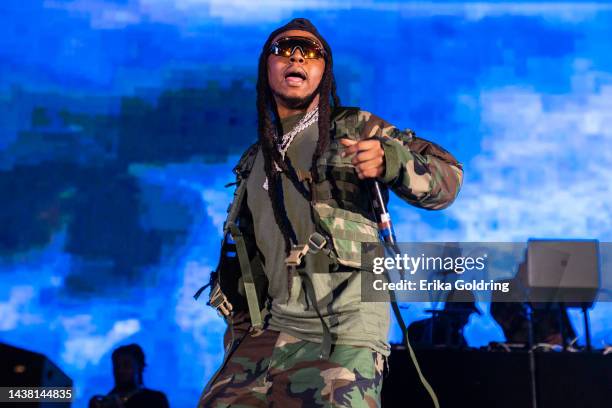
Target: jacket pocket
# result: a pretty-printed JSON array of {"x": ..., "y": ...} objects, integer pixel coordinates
[{"x": 348, "y": 230}]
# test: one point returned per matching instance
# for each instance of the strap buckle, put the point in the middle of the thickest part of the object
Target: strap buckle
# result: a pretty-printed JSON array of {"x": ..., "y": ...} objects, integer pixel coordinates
[
  {"x": 316, "y": 242},
  {"x": 220, "y": 302},
  {"x": 255, "y": 331},
  {"x": 296, "y": 254},
  {"x": 304, "y": 175}
]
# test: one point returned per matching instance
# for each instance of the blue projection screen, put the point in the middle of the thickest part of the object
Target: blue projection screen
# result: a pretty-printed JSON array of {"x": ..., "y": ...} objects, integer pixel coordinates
[{"x": 120, "y": 122}]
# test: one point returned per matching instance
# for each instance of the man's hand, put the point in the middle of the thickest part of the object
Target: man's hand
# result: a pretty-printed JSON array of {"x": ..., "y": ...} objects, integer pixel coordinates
[{"x": 369, "y": 159}]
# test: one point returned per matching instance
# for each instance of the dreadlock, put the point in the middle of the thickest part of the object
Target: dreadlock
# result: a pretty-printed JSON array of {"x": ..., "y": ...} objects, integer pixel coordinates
[{"x": 269, "y": 127}]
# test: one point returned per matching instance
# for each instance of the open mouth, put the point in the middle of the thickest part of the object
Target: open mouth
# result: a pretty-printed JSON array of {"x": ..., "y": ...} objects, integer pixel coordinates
[{"x": 295, "y": 77}]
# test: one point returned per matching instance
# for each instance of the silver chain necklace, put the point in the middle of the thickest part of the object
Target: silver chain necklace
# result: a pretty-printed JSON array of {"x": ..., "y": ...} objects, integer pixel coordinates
[{"x": 282, "y": 146}]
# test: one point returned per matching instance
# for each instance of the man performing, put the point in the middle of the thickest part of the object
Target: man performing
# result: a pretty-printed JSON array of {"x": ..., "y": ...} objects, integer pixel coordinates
[{"x": 298, "y": 334}]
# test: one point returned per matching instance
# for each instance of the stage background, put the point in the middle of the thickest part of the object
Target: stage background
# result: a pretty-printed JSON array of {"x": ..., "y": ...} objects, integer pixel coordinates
[{"x": 120, "y": 121}]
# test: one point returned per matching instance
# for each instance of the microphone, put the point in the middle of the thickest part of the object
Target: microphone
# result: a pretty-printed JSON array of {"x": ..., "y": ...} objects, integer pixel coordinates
[{"x": 385, "y": 227}]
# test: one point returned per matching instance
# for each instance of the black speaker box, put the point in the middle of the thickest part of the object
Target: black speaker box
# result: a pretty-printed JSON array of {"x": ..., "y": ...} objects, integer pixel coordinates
[{"x": 23, "y": 368}]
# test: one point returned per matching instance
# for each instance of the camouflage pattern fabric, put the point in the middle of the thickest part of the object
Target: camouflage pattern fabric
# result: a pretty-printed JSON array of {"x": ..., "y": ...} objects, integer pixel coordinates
[
  {"x": 347, "y": 230},
  {"x": 417, "y": 170},
  {"x": 277, "y": 370}
]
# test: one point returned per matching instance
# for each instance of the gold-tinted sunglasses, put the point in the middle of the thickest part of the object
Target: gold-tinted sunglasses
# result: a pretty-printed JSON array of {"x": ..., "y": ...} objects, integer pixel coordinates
[{"x": 286, "y": 46}]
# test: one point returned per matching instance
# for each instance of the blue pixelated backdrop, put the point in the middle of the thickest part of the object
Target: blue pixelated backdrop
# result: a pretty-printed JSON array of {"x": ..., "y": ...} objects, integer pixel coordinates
[{"x": 120, "y": 121}]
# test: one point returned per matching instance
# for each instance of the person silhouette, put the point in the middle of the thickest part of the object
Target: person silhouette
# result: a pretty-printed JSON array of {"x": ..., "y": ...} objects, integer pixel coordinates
[
  {"x": 129, "y": 390},
  {"x": 445, "y": 327}
]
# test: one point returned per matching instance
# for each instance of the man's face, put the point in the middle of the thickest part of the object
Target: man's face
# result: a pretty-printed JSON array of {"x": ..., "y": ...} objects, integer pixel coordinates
[
  {"x": 125, "y": 370},
  {"x": 294, "y": 80}
]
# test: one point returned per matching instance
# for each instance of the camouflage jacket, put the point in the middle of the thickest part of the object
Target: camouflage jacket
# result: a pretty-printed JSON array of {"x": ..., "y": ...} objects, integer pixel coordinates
[{"x": 418, "y": 171}]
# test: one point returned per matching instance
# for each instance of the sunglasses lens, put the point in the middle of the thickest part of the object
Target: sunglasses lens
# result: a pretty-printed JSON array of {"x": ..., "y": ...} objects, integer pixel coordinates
[{"x": 286, "y": 47}]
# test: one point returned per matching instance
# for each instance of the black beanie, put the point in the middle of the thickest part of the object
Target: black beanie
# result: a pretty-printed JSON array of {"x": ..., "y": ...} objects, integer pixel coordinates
[{"x": 300, "y": 24}]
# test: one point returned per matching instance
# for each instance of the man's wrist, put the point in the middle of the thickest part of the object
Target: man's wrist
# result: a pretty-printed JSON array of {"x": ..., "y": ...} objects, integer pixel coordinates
[{"x": 392, "y": 162}]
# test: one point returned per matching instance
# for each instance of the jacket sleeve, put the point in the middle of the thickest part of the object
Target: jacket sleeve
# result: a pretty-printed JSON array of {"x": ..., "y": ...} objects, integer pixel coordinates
[{"x": 418, "y": 171}]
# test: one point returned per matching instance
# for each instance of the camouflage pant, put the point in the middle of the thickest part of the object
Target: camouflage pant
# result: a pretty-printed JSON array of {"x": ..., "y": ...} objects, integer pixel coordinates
[{"x": 275, "y": 369}]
